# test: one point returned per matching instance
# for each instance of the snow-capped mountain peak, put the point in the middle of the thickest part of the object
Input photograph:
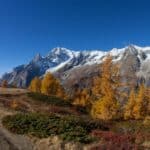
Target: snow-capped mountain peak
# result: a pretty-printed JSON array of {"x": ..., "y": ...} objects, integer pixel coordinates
[
  {"x": 61, "y": 50},
  {"x": 64, "y": 59}
]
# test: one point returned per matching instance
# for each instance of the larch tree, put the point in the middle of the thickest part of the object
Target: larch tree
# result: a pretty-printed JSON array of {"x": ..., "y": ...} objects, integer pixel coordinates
[
  {"x": 128, "y": 109},
  {"x": 140, "y": 109},
  {"x": 82, "y": 98},
  {"x": 61, "y": 92},
  {"x": 4, "y": 84},
  {"x": 148, "y": 97},
  {"x": 107, "y": 106},
  {"x": 35, "y": 85},
  {"x": 52, "y": 86}
]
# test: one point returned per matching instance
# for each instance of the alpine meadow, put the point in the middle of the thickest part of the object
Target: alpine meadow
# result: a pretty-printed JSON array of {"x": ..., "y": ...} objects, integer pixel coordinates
[{"x": 77, "y": 98}]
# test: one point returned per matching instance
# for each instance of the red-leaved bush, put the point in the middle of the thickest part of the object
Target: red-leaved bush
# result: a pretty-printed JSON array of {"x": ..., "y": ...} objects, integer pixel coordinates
[{"x": 111, "y": 140}]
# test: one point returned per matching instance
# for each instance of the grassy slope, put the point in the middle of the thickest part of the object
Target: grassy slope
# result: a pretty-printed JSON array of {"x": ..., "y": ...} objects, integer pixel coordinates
[
  {"x": 12, "y": 91},
  {"x": 128, "y": 133}
]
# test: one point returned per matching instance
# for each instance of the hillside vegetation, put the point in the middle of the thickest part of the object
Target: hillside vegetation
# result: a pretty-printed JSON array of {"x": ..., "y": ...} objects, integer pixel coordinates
[{"x": 111, "y": 115}]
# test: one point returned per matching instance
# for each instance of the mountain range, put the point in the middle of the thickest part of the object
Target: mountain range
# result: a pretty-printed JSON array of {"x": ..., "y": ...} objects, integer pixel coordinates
[{"x": 74, "y": 67}]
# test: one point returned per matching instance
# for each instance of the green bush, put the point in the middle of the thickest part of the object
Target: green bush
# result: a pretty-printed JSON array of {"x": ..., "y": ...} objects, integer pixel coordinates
[
  {"x": 69, "y": 128},
  {"x": 86, "y": 123},
  {"x": 53, "y": 100},
  {"x": 77, "y": 134}
]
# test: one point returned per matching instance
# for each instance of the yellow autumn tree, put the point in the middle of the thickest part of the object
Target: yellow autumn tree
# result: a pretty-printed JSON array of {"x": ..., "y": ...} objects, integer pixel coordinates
[
  {"x": 61, "y": 92},
  {"x": 35, "y": 85},
  {"x": 4, "y": 84},
  {"x": 128, "y": 109},
  {"x": 140, "y": 109},
  {"x": 107, "y": 106},
  {"x": 52, "y": 86},
  {"x": 148, "y": 97},
  {"x": 82, "y": 97}
]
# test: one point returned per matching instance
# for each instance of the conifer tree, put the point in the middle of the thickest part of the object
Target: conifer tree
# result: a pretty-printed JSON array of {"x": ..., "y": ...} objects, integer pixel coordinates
[
  {"x": 61, "y": 92},
  {"x": 82, "y": 97},
  {"x": 52, "y": 86},
  {"x": 4, "y": 84},
  {"x": 35, "y": 85},
  {"x": 106, "y": 109},
  {"x": 140, "y": 109},
  {"x": 148, "y": 97},
  {"x": 107, "y": 106},
  {"x": 128, "y": 110}
]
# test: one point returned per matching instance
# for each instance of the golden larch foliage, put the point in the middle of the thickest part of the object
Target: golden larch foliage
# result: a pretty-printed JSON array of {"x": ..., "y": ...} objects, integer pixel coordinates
[
  {"x": 106, "y": 109},
  {"x": 35, "y": 85},
  {"x": 61, "y": 92},
  {"x": 128, "y": 109},
  {"x": 148, "y": 97},
  {"x": 140, "y": 109},
  {"x": 82, "y": 97},
  {"x": 52, "y": 86},
  {"x": 106, "y": 90},
  {"x": 4, "y": 84}
]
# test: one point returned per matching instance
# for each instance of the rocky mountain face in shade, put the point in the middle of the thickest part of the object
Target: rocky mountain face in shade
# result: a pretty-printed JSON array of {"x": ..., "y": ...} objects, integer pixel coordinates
[{"x": 74, "y": 67}]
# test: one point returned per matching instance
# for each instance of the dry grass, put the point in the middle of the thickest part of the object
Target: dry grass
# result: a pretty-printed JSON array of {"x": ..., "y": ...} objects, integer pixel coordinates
[
  {"x": 12, "y": 91},
  {"x": 19, "y": 100}
]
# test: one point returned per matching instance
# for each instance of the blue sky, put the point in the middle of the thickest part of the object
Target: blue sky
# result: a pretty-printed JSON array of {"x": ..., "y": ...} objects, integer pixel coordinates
[{"x": 28, "y": 27}]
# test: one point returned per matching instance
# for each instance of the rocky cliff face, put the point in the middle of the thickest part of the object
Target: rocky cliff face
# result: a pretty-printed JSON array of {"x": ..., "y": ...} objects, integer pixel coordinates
[{"x": 74, "y": 66}]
